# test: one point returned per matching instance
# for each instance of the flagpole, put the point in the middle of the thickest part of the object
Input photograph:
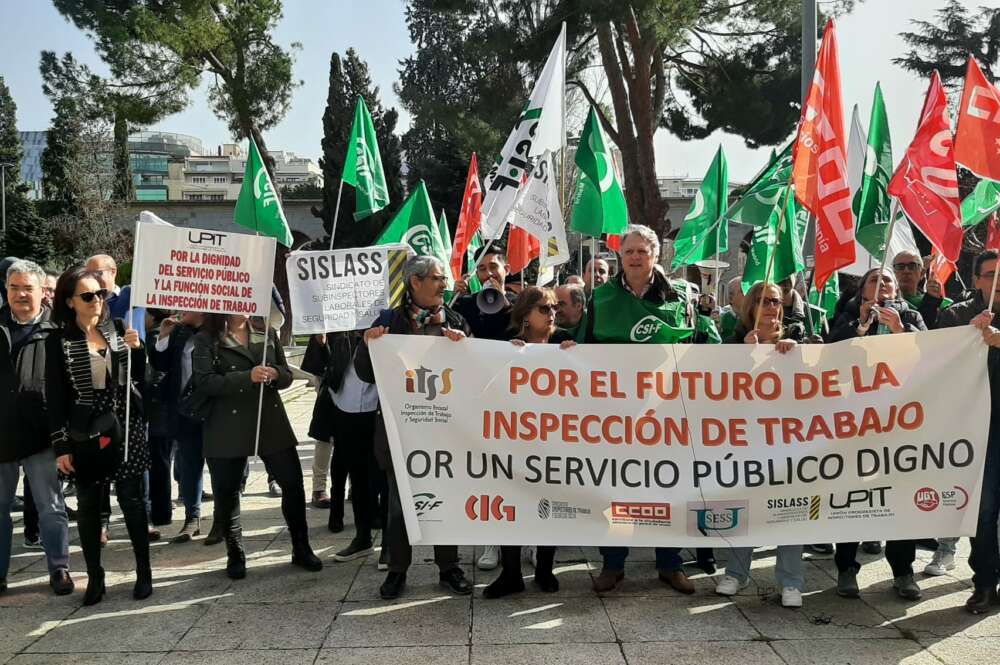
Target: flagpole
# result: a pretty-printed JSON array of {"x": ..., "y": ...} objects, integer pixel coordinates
[
  {"x": 893, "y": 212},
  {"x": 336, "y": 213},
  {"x": 128, "y": 360},
  {"x": 993, "y": 291}
]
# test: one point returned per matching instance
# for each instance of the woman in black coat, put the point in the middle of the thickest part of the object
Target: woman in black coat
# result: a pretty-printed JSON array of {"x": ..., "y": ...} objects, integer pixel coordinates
[
  {"x": 86, "y": 384},
  {"x": 227, "y": 370}
]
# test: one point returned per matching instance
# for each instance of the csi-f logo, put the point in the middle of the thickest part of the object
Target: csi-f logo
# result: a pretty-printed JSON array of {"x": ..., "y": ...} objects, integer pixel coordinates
[
  {"x": 426, "y": 382},
  {"x": 205, "y": 238},
  {"x": 484, "y": 508},
  {"x": 425, "y": 502},
  {"x": 645, "y": 329},
  {"x": 717, "y": 518}
]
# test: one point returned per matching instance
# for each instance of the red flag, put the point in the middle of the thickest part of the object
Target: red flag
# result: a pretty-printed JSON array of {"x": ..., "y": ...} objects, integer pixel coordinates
[
  {"x": 993, "y": 233},
  {"x": 820, "y": 164},
  {"x": 977, "y": 137},
  {"x": 925, "y": 183},
  {"x": 522, "y": 247},
  {"x": 941, "y": 268},
  {"x": 468, "y": 219},
  {"x": 613, "y": 242}
]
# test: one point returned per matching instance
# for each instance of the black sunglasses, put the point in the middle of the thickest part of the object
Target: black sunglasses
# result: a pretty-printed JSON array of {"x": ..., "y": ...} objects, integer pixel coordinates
[
  {"x": 88, "y": 296},
  {"x": 545, "y": 309}
]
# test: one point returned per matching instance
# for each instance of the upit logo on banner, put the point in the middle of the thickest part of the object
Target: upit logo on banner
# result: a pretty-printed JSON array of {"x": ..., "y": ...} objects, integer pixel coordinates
[
  {"x": 206, "y": 238},
  {"x": 636, "y": 512},
  {"x": 425, "y": 382},
  {"x": 721, "y": 519},
  {"x": 484, "y": 508}
]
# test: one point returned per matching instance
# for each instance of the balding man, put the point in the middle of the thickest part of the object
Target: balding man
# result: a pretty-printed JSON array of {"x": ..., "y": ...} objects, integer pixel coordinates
[
  {"x": 119, "y": 300},
  {"x": 596, "y": 274},
  {"x": 910, "y": 273}
]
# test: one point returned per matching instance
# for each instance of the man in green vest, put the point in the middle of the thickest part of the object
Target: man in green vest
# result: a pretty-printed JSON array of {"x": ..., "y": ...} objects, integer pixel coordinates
[
  {"x": 639, "y": 306},
  {"x": 910, "y": 274},
  {"x": 571, "y": 308}
]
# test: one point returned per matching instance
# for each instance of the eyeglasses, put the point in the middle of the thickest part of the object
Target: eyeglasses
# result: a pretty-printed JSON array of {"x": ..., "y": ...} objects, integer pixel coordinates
[
  {"x": 987, "y": 275},
  {"x": 88, "y": 296},
  {"x": 912, "y": 266},
  {"x": 545, "y": 309},
  {"x": 771, "y": 302}
]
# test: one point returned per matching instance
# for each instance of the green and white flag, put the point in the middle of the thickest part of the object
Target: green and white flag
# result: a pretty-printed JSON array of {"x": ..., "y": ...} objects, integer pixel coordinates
[
  {"x": 258, "y": 207},
  {"x": 787, "y": 246},
  {"x": 704, "y": 235},
  {"x": 363, "y": 165},
  {"x": 599, "y": 207},
  {"x": 414, "y": 225},
  {"x": 981, "y": 203},
  {"x": 872, "y": 204},
  {"x": 475, "y": 286},
  {"x": 764, "y": 193},
  {"x": 444, "y": 234}
]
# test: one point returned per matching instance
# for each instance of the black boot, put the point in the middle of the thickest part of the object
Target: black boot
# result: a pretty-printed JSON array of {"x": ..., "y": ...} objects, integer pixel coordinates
[
  {"x": 236, "y": 560},
  {"x": 544, "y": 578},
  {"x": 95, "y": 587},
  {"x": 510, "y": 580},
  {"x": 227, "y": 518},
  {"x": 89, "y": 524},
  {"x": 137, "y": 524},
  {"x": 302, "y": 554}
]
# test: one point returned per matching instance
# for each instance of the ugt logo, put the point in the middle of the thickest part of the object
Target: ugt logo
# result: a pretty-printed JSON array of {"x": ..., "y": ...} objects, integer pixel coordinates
[
  {"x": 425, "y": 382},
  {"x": 717, "y": 518},
  {"x": 205, "y": 238}
]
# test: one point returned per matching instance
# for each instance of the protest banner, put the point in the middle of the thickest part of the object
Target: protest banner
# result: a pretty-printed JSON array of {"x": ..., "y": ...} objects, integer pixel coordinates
[
  {"x": 202, "y": 271},
  {"x": 344, "y": 289},
  {"x": 686, "y": 445}
]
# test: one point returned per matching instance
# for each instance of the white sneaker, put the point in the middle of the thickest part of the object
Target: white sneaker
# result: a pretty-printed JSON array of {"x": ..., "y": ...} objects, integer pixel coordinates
[
  {"x": 791, "y": 597},
  {"x": 730, "y": 586},
  {"x": 940, "y": 564},
  {"x": 531, "y": 555},
  {"x": 490, "y": 558}
]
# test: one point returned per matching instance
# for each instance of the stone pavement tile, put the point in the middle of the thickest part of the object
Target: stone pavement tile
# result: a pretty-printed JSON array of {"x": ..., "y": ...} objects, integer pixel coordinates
[
  {"x": 422, "y": 581},
  {"x": 549, "y": 620},
  {"x": 823, "y": 615},
  {"x": 171, "y": 585},
  {"x": 5, "y": 658},
  {"x": 394, "y": 655},
  {"x": 33, "y": 590},
  {"x": 88, "y": 659},
  {"x": 699, "y": 653},
  {"x": 323, "y": 542},
  {"x": 440, "y": 621},
  {"x": 195, "y": 555},
  {"x": 939, "y": 614},
  {"x": 236, "y": 657},
  {"x": 283, "y": 583},
  {"x": 762, "y": 582},
  {"x": 677, "y": 618},
  {"x": 227, "y": 626},
  {"x": 17, "y": 624},
  {"x": 123, "y": 626},
  {"x": 547, "y": 654},
  {"x": 964, "y": 650},
  {"x": 855, "y": 652},
  {"x": 25, "y": 559}
]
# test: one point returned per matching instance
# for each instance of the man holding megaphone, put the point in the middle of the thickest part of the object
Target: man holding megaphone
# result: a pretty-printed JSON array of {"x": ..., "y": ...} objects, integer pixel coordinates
[{"x": 487, "y": 312}]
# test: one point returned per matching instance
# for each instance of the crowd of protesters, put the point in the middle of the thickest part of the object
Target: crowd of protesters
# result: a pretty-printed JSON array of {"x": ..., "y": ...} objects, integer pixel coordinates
[{"x": 98, "y": 394}]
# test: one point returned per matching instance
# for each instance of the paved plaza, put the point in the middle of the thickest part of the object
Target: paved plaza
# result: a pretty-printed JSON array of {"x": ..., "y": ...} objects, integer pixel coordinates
[{"x": 284, "y": 615}]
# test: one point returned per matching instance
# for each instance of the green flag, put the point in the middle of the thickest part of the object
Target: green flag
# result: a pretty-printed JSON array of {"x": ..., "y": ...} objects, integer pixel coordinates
[
  {"x": 787, "y": 246},
  {"x": 981, "y": 203},
  {"x": 444, "y": 234},
  {"x": 827, "y": 302},
  {"x": 704, "y": 235},
  {"x": 258, "y": 207},
  {"x": 599, "y": 206},
  {"x": 872, "y": 205},
  {"x": 475, "y": 286},
  {"x": 363, "y": 165},
  {"x": 414, "y": 225},
  {"x": 763, "y": 195}
]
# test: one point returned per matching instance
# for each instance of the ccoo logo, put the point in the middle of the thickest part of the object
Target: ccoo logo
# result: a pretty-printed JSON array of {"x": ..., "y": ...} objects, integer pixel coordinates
[
  {"x": 645, "y": 329},
  {"x": 425, "y": 382}
]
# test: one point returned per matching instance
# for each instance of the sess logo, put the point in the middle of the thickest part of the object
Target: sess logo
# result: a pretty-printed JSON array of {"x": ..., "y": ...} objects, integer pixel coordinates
[
  {"x": 645, "y": 329},
  {"x": 718, "y": 518},
  {"x": 425, "y": 382}
]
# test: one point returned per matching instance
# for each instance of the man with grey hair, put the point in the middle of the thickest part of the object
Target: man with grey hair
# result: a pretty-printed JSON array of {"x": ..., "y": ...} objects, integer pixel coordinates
[
  {"x": 119, "y": 298},
  {"x": 571, "y": 305},
  {"x": 639, "y": 306},
  {"x": 24, "y": 436}
]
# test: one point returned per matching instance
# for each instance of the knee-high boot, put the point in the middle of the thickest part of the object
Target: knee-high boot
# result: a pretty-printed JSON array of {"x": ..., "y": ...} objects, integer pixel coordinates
[
  {"x": 137, "y": 524},
  {"x": 227, "y": 520},
  {"x": 298, "y": 529},
  {"x": 545, "y": 559},
  {"x": 510, "y": 580},
  {"x": 89, "y": 522}
]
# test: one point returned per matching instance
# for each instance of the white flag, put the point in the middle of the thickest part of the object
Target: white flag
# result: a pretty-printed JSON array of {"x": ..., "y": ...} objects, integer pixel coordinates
[
  {"x": 539, "y": 128},
  {"x": 536, "y": 210}
]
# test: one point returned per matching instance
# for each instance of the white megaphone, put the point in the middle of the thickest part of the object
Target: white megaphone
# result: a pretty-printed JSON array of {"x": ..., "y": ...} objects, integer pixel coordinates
[{"x": 491, "y": 300}]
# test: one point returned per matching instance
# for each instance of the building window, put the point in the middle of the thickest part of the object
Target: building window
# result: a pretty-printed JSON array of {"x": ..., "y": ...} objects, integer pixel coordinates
[
  {"x": 198, "y": 179},
  {"x": 219, "y": 179},
  {"x": 216, "y": 197},
  {"x": 194, "y": 197}
]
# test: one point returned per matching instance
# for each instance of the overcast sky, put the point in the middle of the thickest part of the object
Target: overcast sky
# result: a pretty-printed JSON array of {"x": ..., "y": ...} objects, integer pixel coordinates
[{"x": 869, "y": 39}]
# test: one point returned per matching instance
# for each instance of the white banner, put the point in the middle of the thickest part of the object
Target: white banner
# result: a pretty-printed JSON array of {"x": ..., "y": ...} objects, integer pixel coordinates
[
  {"x": 876, "y": 439},
  {"x": 202, "y": 271},
  {"x": 344, "y": 289}
]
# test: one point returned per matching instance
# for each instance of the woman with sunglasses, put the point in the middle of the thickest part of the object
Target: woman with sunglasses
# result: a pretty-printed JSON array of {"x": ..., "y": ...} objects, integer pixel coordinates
[
  {"x": 227, "y": 369},
  {"x": 761, "y": 323},
  {"x": 86, "y": 384},
  {"x": 877, "y": 309},
  {"x": 532, "y": 321}
]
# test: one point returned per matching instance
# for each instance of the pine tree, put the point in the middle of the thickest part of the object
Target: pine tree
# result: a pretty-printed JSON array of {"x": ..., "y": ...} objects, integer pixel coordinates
[
  {"x": 62, "y": 150},
  {"x": 349, "y": 79}
]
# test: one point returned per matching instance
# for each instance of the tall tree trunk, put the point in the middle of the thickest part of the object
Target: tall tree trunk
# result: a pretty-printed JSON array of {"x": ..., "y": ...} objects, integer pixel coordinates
[{"x": 122, "y": 189}]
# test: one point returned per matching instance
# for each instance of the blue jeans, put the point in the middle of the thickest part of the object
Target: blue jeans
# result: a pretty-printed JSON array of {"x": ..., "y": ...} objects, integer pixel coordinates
[
  {"x": 190, "y": 462},
  {"x": 787, "y": 565},
  {"x": 40, "y": 468},
  {"x": 667, "y": 558}
]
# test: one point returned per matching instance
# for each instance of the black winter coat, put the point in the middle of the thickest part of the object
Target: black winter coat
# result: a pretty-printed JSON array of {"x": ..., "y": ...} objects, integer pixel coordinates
[
  {"x": 24, "y": 426},
  {"x": 845, "y": 325}
]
